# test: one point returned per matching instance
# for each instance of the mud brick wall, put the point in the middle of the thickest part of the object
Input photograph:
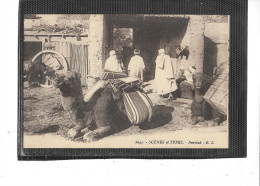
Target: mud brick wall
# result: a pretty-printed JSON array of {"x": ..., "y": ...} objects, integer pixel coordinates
[
  {"x": 208, "y": 39},
  {"x": 96, "y": 44},
  {"x": 195, "y": 40},
  {"x": 216, "y": 45}
]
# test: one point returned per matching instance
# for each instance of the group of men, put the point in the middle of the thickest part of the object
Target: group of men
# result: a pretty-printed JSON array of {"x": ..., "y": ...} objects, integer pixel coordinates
[
  {"x": 135, "y": 68},
  {"x": 166, "y": 71}
]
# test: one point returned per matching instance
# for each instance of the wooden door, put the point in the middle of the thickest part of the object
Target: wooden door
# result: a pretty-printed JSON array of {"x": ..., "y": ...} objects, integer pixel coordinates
[{"x": 79, "y": 60}]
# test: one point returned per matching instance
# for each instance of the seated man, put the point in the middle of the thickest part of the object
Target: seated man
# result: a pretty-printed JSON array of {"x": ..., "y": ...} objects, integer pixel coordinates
[
  {"x": 112, "y": 64},
  {"x": 185, "y": 82}
]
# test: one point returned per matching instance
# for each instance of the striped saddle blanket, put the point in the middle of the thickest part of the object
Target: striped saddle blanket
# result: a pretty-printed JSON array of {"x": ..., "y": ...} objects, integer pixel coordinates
[
  {"x": 112, "y": 75},
  {"x": 125, "y": 84},
  {"x": 138, "y": 106}
]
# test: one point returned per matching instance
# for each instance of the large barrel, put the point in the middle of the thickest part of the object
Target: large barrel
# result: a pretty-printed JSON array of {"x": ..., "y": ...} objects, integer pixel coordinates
[{"x": 217, "y": 94}]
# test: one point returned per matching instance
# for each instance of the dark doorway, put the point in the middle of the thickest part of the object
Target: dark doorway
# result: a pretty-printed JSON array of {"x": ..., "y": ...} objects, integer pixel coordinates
[
  {"x": 30, "y": 49},
  {"x": 154, "y": 34},
  {"x": 150, "y": 33},
  {"x": 210, "y": 56},
  {"x": 123, "y": 44}
]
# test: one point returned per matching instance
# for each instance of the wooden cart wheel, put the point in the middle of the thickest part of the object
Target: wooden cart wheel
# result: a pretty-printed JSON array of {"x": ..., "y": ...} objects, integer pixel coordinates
[{"x": 63, "y": 63}]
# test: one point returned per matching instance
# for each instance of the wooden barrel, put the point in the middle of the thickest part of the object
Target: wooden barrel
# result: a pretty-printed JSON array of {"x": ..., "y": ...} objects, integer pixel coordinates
[{"x": 217, "y": 94}]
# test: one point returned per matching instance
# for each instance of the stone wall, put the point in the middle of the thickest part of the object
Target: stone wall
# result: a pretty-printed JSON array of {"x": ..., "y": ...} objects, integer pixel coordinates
[
  {"x": 216, "y": 45},
  {"x": 206, "y": 35},
  {"x": 194, "y": 38},
  {"x": 105, "y": 45},
  {"x": 208, "y": 41},
  {"x": 97, "y": 44}
]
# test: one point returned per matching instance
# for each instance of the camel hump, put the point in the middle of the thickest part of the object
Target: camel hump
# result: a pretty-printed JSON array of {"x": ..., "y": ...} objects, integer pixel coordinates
[{"x": 96, "y": 87}]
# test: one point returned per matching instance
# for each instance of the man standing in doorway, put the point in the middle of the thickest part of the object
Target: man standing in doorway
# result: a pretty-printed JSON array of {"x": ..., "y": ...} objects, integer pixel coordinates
[{"x": 136, "y": 65}]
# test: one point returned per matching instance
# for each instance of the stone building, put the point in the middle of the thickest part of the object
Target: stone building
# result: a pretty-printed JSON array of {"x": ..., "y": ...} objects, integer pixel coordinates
[
  {"x": 206, "y": 36},
  {"x": 87, "y": 47}
]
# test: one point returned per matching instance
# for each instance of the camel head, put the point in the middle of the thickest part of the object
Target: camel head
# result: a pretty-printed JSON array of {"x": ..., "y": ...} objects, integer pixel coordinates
[{"x": 69, "y": 83}]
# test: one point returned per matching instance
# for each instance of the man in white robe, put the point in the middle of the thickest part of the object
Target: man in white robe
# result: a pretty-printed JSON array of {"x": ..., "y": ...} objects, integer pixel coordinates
[
  {"x": 164, "y": 74},
  {"x": 188, "y": 72},
  {"x": 112, "y": 64},
  {"x": 136, "y": 66}
]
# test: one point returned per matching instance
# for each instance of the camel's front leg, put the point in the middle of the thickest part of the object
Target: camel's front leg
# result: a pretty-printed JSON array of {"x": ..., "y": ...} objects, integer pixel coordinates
[
  {"x": 83, "y": 123},
  {"x": 98, "y": 134}
]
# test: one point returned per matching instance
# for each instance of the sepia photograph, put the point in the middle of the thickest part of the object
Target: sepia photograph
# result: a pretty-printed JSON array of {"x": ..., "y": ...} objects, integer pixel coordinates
[
  {"x": 164, "y": 91},
  {"x": 125, "y": 81}
]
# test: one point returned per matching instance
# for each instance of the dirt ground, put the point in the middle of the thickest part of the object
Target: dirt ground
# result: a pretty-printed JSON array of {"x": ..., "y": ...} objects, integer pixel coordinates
[{"x": 44, "y": 114}]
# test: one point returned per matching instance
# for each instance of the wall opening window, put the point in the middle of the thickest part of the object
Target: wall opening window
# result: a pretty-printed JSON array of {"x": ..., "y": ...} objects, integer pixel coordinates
[{"x": 123, "y": 44}]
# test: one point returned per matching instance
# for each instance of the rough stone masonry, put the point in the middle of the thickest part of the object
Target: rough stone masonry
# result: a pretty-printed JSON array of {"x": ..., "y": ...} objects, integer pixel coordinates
[{"x": 96, "y": 46}]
